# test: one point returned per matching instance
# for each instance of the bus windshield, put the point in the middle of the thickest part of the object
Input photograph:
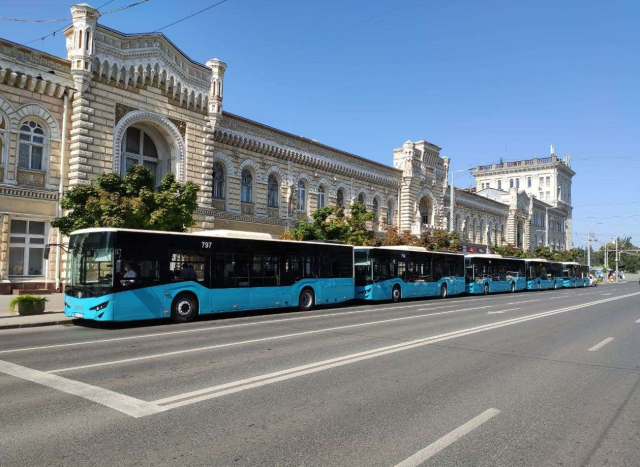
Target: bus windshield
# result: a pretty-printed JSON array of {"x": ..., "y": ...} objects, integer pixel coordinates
[
  {"x": 90, "y": 271},
  {"x": 362, "y": 267}
]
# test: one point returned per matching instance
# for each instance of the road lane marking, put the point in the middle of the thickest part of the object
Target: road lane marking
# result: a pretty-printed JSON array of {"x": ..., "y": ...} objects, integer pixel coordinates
[
  {"x": 253, "y": 341},
  {"x": 605, "y": 294},
  {"x": 601, "y": 344},
  {"x": 501, "y": 311},
  {"x": 638, "y": 321},
  {"x": 212, "y": 392},
  {"x": 128, "y": 405},
  {"x": 450, "y": 438}
]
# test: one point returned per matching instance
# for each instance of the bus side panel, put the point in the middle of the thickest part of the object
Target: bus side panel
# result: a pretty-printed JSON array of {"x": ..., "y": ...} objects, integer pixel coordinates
[
  {"x": 457, "y": 286},
  {"x": 520, "y": 282},
  {"x": 142, "y": 303},
  {"x": 230, "y": 299},
  {"x": 266, "y": 297}
]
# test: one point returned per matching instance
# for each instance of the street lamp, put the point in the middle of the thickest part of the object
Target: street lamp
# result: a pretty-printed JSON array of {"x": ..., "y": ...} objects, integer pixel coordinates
[
  {"x": 589, "y": 243},
  {"x": 452, "y": 196}
]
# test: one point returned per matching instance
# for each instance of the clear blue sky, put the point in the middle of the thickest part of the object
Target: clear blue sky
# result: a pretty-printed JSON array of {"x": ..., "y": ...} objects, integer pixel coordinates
[{"x": 481, "y": 79}]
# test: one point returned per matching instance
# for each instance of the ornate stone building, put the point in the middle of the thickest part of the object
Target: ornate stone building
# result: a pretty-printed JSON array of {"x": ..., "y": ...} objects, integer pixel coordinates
[{"x": 123, "y": 99}]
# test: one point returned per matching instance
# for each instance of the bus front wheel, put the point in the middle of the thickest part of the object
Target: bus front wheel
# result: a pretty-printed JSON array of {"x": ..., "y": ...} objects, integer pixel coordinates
[
  {"x": 184, "y": 308},
  {"x": 513, "y": 287},
  {"x": 443, "y": 291},
  {"x": 486, "y": 288},
  {"x": 396, "y": 294},
  {"x": 307, "y": 300}
]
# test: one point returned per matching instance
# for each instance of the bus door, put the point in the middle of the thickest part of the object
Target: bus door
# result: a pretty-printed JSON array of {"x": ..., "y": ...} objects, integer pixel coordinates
[
  {"x": 266, "y": 291},
  {"x": 188, "y": 270},
  {"x": 231, "y": 281}
]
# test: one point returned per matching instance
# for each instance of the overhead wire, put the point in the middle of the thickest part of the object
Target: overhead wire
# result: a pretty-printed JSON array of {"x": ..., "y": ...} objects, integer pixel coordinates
[{"x": 191, "y": 15}]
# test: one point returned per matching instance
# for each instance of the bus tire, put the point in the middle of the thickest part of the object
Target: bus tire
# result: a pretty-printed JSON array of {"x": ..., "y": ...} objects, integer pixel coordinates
[
  {"x": 513, "y": 287},
  {"x": 396, "y": 293},
  {"x": 538, "y": 286},
  {"x": 486, "y": 288},
  {"x": 555, "y": 285},
  {"x": 444, "y": 293},
  {"x": 184, "y": 308},
  {"x": 307, "y": 299}
]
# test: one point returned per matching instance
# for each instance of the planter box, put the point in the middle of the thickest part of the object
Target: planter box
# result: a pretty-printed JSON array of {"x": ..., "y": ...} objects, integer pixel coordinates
[{"x": 29, "y": 308}]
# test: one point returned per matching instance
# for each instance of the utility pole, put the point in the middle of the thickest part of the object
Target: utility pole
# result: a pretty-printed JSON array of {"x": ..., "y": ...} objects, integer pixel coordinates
[
  {"x": 589, "y": 244},
  {"x": 617, "y": 258},
  {"x": 546, "y": 227}
]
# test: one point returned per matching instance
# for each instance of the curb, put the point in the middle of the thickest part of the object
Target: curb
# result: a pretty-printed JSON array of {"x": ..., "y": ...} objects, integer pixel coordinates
[{"x": 33, "y": 325}]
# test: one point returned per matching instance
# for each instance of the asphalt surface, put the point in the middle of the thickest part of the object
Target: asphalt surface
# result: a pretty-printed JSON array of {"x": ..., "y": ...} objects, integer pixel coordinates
[{"x": 534, "y": 379}]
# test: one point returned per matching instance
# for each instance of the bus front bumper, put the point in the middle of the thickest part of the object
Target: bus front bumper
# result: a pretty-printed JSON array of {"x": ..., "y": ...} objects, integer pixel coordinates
[{"x": 95, "y": 308}]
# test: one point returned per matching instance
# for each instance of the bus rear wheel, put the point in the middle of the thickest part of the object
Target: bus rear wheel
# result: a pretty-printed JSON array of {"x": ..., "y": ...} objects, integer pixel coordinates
[
  {"x": 443, "y": 291},
  {"x": 396, "y": 294},
  {"x": 486, "y": 289},
  {"x": 184, "y": 308},
  {"x": 538, "y": 286},
  {"x": 307, "y": 300},
  {"x": 555, "y": 285}
]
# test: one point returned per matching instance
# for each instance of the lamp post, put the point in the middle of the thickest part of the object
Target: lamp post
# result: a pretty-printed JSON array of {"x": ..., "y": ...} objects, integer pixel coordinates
[
  {"x": 589, "y": 243},
  {"x": 452, "y": 196}
]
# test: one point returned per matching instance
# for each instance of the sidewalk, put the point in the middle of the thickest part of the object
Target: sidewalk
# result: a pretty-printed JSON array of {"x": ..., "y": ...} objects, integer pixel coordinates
[{"x": 53, "y": 313}]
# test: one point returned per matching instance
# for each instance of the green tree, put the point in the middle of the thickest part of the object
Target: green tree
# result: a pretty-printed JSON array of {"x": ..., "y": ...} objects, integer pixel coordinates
[
  {"x": 331, "y": 223},
  {"x": 510, "y": 250},
  {"x": 542, "y": 252},
  {"x": 132, "y": 201},
  {"x": 393, "y": 237}
]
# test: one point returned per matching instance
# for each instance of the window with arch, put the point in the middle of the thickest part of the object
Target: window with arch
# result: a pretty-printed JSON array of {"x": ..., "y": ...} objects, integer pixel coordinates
[
  {"x": 302, "y": 196},
  {"x": 140, "y": 149},
  {"x": 3, "y": 137},
  {"x": 340, "y": 198},
  {"x": 322, "y": 200},
  {"x": 273, "y": 190},
  {"x": 31, "y": 146},
  {"x": 218, "y": 181},
  {"x": 375, "y": 209},
  {"x": 390, "y": 213},
  {"x": 246, "y": 191},
  {"x": 361, "y": 198}
]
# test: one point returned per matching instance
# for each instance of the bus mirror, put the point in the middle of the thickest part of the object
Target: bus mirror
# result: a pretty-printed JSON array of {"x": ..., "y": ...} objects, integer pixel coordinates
[{"x": 47, "y": 249}]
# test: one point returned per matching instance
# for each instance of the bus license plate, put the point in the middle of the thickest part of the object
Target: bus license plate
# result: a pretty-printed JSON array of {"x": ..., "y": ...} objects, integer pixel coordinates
[{"x": 78, "y": 315}]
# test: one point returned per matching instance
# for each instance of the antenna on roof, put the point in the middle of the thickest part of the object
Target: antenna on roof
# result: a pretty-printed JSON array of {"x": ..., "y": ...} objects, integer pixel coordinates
[{"x": 553, "y": 151}]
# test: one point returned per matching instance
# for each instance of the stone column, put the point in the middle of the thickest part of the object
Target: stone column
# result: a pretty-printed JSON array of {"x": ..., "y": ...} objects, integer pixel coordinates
[
  {"x": 214, "y": 118},
  {"x": 80, "y": 44}
]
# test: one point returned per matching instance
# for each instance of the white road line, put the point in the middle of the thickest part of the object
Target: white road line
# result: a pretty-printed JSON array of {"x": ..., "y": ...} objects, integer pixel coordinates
[
  {"x": 605, "y": 294},
  {"x": 253, "y": 341},
  {"x": 270, "y": 378},
  {"x": 434, "y": 448},
  {"x": 601, "y": 344},
  {"x": 638, "y": 321},
  {"x": 223, "y": 327},
  {"x": 501, "y": 311},
  {"x": 114, "y": 400}
]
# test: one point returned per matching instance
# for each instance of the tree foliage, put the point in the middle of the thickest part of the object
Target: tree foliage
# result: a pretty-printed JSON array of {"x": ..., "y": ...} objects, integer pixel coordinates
[{"x": 132, "y": 201}]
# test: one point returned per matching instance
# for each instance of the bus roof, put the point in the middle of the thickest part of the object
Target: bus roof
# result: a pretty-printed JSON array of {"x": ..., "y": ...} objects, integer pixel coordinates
[
  {"x": 537, "y": 260},
  {"x": 418, "y": 249},
  {"x": 485, "y": 255},
  {"x": 571, "y": 263},
  {"x": 222, "y": 233}
]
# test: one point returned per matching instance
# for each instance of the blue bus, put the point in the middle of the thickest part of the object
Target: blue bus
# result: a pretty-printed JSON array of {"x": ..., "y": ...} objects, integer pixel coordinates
[
  {"x": 396, "y": 272},
  {"x": 125, "y": 275},
  {"x": 488, "y": 273},
  {"x": 543, "y": 274},
  {"x": 574, "y": 274}
]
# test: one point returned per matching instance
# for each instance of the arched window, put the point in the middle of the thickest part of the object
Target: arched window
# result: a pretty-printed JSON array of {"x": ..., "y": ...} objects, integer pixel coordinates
[
  {"x": 218, "y": 181},
  {"x": 273, "y": 189},
  {"x": 340, "y": 198},
  {"x": 390, "y": 213},
  {"x": 140, "y": 149},
  {"x": 31, "y": 146},
  {"x": 3, "y": 138},
  {"x": 375, "y": 209},
  {"x": 302, "y": 196},
  {"x": 361, "y": 198},
  {"x": 246, "y": 192},
  {"x": 321, "y": 197}
]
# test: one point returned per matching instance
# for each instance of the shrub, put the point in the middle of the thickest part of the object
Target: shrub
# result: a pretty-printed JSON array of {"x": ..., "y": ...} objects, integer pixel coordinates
[{"x": 27, "y": 299}]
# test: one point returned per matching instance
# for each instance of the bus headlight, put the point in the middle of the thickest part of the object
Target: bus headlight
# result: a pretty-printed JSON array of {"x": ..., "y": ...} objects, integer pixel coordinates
[{"x": 102, "y": 306}]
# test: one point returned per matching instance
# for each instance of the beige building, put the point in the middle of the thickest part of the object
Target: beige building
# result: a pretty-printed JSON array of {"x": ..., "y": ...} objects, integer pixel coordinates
[{"x": 121, "y": 99}]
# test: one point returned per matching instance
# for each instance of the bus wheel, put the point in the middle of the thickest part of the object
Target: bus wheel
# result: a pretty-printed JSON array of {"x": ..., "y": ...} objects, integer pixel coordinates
[
  {"x": 443, "y": 291},
  {"x": 513, "y": 287},
  {"x": 538, "y": 286},
  {"x": 184, "y": 308},
  {"x": 486, "y": 288},
  {"x": 396, "y": 294},
  {"x": 555, "y": 285},
  {"x": 307, "y": 300}
]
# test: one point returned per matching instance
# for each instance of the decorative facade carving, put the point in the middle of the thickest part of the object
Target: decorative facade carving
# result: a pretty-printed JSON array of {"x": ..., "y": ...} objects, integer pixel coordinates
[{"x": 31, "y": 177}]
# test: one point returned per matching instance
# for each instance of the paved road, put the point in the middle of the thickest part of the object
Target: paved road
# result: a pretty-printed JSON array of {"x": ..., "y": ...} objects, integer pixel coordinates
[{"x": 535, "y": 379}]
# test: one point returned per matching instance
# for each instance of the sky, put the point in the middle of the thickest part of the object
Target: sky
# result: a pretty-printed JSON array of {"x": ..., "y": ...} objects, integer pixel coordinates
[{"x": 483, "y": 80}]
